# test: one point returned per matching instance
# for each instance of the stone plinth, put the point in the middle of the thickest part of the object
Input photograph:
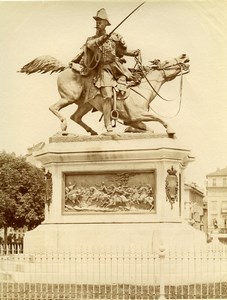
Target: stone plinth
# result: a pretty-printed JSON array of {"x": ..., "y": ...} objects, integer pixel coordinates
[
  {"x": 118, "y": 189},
  {"x": 68, "y": 237}
]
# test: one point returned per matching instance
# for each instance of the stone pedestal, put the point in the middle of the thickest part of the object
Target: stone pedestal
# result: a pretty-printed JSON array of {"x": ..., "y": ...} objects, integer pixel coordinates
[{"x": 113, "y": 190}]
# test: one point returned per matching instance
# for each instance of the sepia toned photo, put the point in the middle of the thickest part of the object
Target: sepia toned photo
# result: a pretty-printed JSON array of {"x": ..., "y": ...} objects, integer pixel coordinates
[{"x": 113, "y": 164}]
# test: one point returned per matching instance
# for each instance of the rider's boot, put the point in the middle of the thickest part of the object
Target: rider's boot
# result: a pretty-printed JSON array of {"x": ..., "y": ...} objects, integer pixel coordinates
[{"x": 107, "y": 114}]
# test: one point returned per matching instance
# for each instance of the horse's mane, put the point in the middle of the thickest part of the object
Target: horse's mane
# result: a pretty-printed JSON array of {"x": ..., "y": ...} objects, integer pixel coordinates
[{"x": 43, "y": 64}]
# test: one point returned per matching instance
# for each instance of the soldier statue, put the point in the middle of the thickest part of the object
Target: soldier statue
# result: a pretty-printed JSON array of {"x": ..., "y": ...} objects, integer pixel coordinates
[
  {"x": 104, "y": 54},
  {"x": 97, "y": 77}
]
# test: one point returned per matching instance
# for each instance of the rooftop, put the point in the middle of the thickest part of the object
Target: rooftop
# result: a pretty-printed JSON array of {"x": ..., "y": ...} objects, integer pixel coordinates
[{"x": 218, "y": 172}]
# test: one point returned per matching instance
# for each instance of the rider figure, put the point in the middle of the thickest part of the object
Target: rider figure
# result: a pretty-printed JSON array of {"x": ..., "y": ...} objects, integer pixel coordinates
[{"x": 104, "y": 54}]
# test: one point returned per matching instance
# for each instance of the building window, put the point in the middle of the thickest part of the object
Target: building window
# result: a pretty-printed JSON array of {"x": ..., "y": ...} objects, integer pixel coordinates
[
  {"x": 224, "y": 207},
  {"x": 212, "y": 217},
  {"x": 214, "y": 182},
  {"x": 224, "y": 181},
  {"x": 225, "y": 222}
]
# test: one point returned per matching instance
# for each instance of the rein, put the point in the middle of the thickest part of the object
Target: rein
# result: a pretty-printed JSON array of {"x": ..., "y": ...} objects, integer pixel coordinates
[
  {"x": 162, "y": 69},
  {"x": 95, "y": 59},
  {"x": 168, "y": 100}
]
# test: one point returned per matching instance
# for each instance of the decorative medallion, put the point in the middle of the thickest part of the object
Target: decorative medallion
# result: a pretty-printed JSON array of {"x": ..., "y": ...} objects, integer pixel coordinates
[
  {"x": 48, "y": 178},
  {"x": 171, "y": 186}
]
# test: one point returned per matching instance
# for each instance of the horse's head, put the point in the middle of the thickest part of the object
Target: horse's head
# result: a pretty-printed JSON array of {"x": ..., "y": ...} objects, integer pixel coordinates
[{"x": 172, "y": 68}]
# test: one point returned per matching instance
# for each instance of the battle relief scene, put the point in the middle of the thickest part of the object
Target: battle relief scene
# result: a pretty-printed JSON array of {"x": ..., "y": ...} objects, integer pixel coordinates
[{"x": 113, "y": 192}]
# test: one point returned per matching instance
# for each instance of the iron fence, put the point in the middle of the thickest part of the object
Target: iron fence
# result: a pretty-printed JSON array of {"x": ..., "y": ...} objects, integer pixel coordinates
[{"x": 114, "y": 273}]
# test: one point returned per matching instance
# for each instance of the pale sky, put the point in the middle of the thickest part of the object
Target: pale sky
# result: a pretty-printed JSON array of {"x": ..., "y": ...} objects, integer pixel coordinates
[{"x": 160, "y": 29}]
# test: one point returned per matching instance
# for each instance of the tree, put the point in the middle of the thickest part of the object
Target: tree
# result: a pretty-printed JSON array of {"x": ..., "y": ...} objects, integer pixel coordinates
[{"x": 22, "y": 192}]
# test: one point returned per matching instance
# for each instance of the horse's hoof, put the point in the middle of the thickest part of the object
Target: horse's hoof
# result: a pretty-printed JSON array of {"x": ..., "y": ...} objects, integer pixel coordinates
[
  {"x": 109, "y": 133},
  {"x": 64, "y": 133},
  {"x": 94, "y": 133},
  {"x": 170, "y": 132},
  {"x": 171, "y": 135}
]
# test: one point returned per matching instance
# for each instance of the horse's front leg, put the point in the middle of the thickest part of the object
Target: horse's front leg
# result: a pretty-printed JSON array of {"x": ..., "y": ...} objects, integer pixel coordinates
[
  {"x": 55, "y": 108},
  {"x": 82, "y": 110}
]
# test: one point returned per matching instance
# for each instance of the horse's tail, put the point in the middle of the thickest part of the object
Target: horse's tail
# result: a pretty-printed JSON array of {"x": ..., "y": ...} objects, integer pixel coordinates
[{"x": 43, "y": 64}]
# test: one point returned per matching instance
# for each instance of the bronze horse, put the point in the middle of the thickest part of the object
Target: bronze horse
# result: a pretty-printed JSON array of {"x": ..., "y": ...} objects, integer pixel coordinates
[{"x": 133, "y": 110}]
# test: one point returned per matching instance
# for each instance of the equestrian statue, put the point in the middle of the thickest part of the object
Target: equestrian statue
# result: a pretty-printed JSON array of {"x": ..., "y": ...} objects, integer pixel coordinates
[{"x": 98, "y": 80}]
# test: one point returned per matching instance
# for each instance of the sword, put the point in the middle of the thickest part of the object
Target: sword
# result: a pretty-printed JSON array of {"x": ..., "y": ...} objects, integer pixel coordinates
[{"x": 109, "y": 34}]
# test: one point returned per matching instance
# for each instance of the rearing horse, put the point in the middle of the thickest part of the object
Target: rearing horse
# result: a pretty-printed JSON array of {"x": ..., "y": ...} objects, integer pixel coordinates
[{"x": 133, "y": 110}]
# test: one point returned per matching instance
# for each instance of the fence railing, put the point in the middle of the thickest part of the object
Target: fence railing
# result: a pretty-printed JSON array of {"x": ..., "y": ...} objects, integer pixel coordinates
[
  {"x": 11, "y": 248},
  {"x": 110, "y": 273}
]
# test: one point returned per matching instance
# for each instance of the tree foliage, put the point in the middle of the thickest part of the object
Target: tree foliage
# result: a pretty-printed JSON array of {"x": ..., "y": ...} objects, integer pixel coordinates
[{"x": 22, "y": 192}]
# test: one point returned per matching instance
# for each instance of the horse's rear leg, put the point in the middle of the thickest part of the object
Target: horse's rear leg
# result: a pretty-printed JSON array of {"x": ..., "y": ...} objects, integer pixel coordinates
[
  {"x": 135, "y": 126},
  {"x": 79, "y": 113},
  {"x": 55, "y": 108},
  {"x": 147, "y": 117}
]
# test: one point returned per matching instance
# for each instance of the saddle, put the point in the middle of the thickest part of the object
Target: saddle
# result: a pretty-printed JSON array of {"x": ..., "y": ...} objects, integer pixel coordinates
[
  {"x": 123, "y": 85},
  {"x": 121, "y": 89}
]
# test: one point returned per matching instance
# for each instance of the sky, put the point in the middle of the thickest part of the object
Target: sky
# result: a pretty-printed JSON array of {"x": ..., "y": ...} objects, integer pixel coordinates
[{"x": 160, "y": 29}]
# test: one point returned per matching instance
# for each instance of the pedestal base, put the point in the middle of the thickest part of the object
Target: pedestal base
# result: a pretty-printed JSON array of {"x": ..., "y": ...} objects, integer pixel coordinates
[
  {"x": 68, "y": 237},
  {"x": 114, "y": 191}
]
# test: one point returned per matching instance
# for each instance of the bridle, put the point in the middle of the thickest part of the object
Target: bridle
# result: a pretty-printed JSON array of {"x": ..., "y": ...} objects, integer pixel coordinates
[{"x": 163, "y": 69}]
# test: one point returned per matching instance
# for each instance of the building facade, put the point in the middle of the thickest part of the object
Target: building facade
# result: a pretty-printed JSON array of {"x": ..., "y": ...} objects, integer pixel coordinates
[
  {"x": 195, "y": 207},
  {"x": 216, "y": 194}
]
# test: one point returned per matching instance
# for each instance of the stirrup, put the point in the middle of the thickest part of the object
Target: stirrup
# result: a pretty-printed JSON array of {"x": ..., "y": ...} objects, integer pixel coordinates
[{"x": 114, "y": 114}]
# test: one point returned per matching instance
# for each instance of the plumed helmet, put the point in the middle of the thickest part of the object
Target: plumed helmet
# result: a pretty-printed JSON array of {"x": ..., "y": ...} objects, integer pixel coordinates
[{"x": 102, "y": 15}]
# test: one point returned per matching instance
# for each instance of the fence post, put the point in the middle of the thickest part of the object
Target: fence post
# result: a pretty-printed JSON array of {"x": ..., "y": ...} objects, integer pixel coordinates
[{"x": 161, "y": 278}]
